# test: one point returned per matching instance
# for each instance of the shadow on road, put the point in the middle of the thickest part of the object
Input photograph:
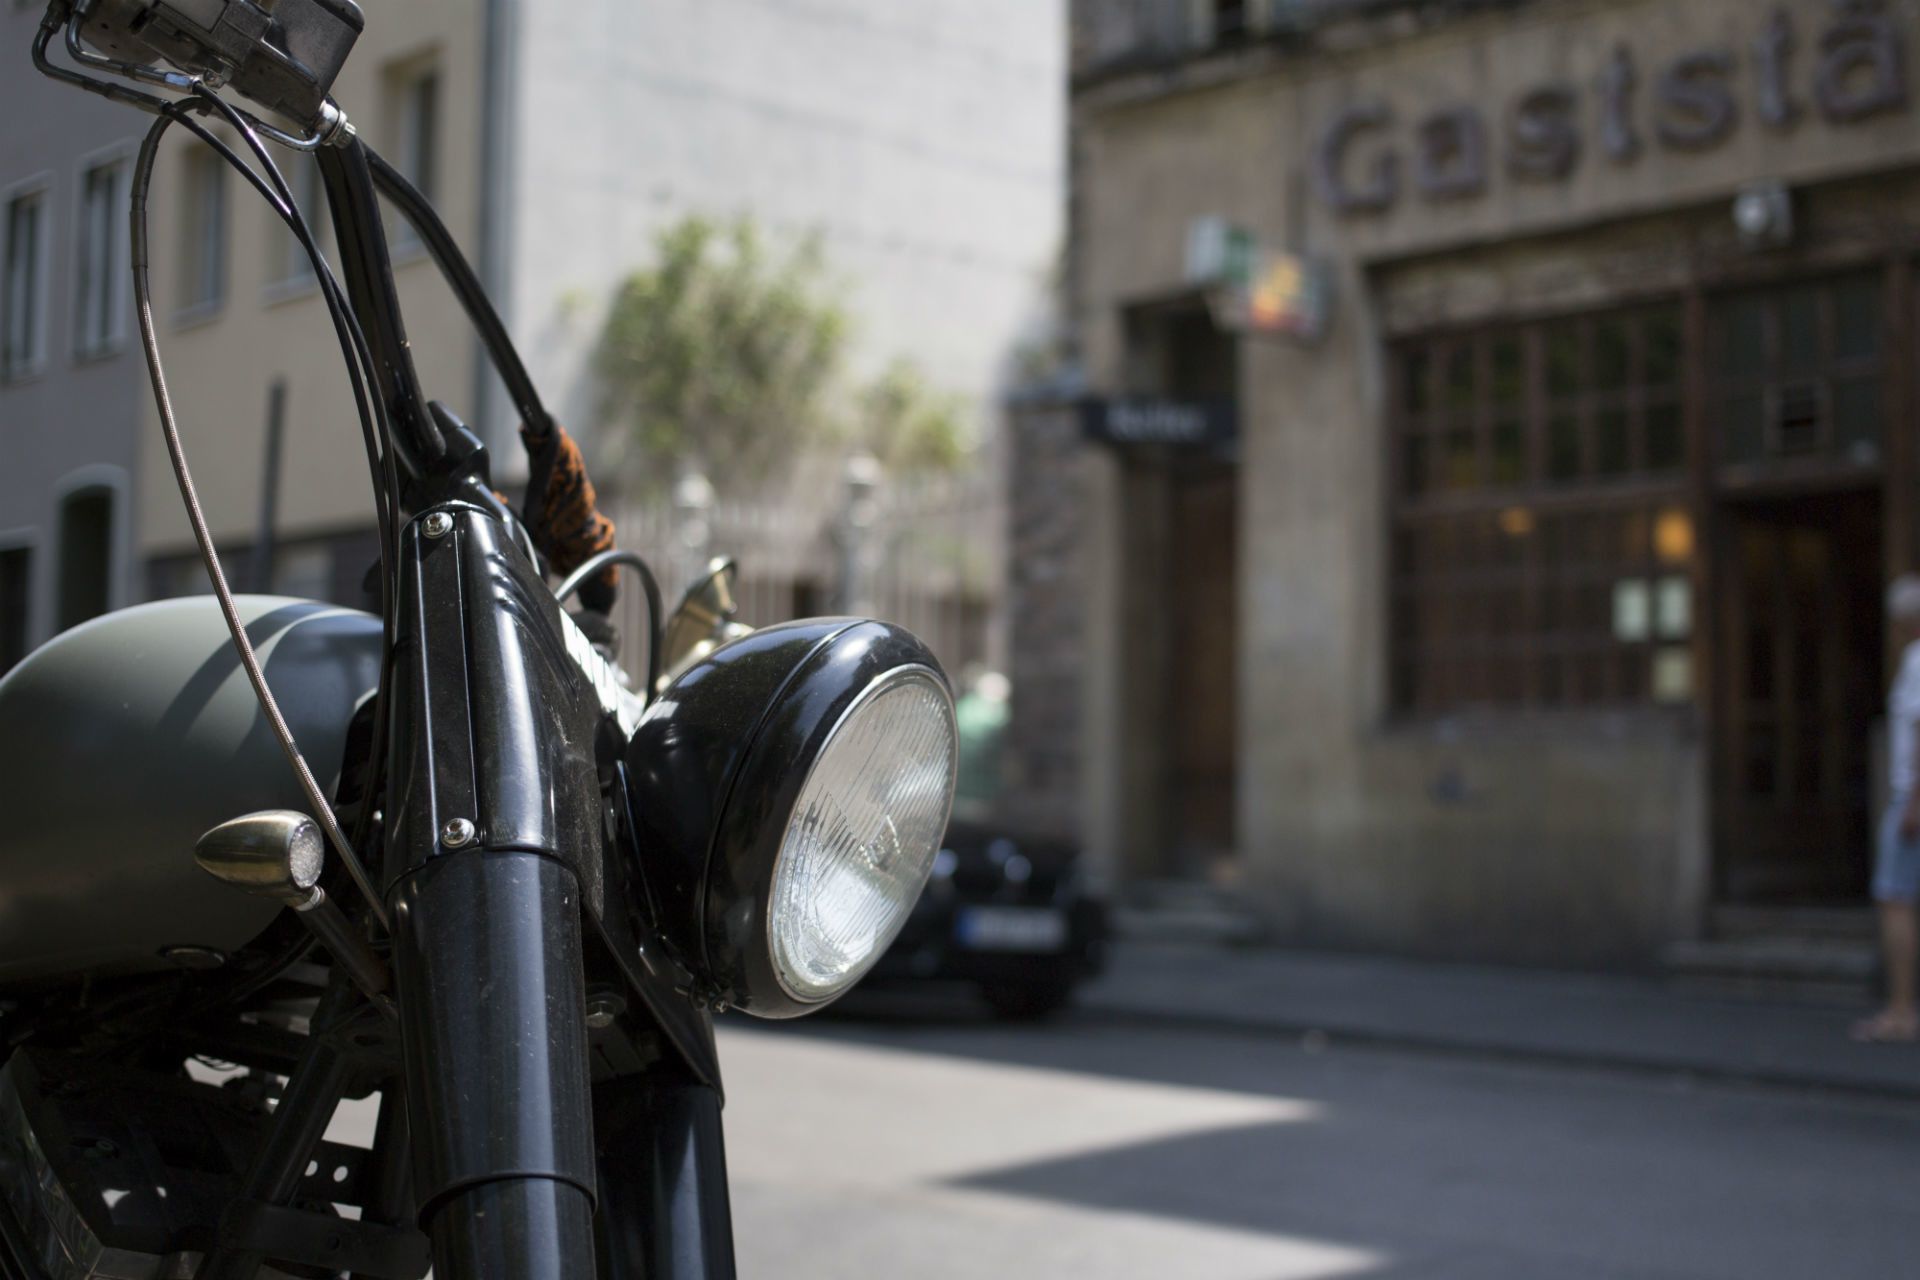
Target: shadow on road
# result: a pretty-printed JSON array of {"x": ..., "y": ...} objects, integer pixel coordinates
[{"x": 1450, "y": 1167}]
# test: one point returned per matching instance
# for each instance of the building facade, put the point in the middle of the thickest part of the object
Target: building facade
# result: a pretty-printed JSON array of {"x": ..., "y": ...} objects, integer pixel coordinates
[
  {"x": 70, "y": 371},
  {"x": 240, "y": 314},
  {"x": 557, "y": 140},
  {"x": 1528, "y": 605}
]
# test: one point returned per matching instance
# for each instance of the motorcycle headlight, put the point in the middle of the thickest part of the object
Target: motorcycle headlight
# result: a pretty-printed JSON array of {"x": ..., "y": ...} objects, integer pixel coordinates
[{"x": 789, "y": 792}]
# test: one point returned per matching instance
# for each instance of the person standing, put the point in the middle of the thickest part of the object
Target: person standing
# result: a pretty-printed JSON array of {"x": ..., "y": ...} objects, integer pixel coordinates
[{"x": 1896, "y": 868}]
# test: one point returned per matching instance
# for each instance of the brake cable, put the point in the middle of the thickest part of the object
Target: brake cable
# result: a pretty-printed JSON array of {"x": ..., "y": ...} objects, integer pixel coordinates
[{"x": 143, "y": 307}]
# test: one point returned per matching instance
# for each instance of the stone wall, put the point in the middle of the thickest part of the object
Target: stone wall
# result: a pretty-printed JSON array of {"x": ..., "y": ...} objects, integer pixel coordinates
[{"x": 1047, "y": 596}]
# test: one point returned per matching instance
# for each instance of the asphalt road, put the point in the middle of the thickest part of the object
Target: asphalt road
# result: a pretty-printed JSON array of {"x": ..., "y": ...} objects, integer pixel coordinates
[{"x": 909, "y": 1144}]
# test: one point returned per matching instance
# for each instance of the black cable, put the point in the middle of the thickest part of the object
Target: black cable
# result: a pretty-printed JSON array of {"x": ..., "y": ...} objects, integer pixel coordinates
[
  {"x": 374, "y": 427},
  {"x": 467, "y": 289},
  {"x": 249, "y": 660},
  {"x": 595, "y": 565},
  {"x": 374, "y": 432}
]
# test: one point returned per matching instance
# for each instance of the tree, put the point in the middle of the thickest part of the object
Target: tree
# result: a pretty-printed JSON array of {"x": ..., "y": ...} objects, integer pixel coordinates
[
  {"x": 907, "y": 423},
  {"x": 721, "y": 357}
]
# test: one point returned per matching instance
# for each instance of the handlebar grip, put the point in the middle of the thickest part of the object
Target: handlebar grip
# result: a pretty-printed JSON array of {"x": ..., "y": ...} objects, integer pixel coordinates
[{"x": 562, "y": 512}]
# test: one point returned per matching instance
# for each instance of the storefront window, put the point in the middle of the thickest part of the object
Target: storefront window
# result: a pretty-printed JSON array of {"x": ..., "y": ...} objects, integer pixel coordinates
[
  {"x": 1797, "y": 372},
  {"x": 1544, "y": 545}
]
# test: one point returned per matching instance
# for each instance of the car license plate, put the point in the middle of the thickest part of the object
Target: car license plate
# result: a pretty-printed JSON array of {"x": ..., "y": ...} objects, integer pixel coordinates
[{"x": 1012, "y": 929}]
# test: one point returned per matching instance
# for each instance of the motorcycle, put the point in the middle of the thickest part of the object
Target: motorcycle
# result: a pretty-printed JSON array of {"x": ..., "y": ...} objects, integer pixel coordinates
[{"x": 264, "y": 855}]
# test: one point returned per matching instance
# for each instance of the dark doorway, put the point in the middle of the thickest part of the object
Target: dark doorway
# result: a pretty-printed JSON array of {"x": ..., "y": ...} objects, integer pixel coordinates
[
  {"x": 86, "y": 557},
  {"x": 1800, "y": 688},
  {"x": 16, "y": 593},
  {"x": 1184, "y": 583},
  {"x": 1202, "y": 664}
]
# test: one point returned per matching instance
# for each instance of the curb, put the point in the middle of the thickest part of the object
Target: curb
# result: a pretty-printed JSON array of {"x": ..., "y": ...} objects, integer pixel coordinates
[{"x": 1625, "y": 1064}]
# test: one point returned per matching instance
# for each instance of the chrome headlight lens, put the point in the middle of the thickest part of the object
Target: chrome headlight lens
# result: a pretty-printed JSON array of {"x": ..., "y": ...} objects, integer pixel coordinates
[
  {"x": 788, "y": 792},
  {"x": 864, "y": 832}
]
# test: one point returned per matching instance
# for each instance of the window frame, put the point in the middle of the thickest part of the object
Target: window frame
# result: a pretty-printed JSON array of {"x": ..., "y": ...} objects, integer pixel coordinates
[
  {"x": 291, "y": 273},
  {"x": 200, "y": 247},
  {"x": 418, "y": 156},
  {"x": 39, "y": 188},
  {"x": 112, "y": 339},
  {"x": 1504, "y": 628}
]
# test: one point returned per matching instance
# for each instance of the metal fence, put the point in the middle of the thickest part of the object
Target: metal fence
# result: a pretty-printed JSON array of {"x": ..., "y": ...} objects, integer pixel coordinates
[{"x": 923, "y": 553}]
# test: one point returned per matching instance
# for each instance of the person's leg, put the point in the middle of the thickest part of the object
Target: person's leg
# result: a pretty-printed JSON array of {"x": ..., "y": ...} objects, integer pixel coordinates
[
  {"x": 1896, "y": 876},
  {"x": 1900, "y": 943}
]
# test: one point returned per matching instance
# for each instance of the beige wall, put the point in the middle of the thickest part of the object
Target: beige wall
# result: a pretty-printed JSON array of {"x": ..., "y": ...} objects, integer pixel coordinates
[
  {"x": 1581, "y": 840},
  {"x": 219, "y": 368}
]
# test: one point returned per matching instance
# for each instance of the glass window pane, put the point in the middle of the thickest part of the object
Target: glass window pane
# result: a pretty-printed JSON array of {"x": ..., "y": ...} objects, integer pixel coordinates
[
  {"x": 1509, "y": 459},
  {"x": 1509, "y": 374},
  {"x": 1611, "y": 343},
  {"x": 1413, "y": 459},
  {"x": 1741, "y": 427},
  {"x": 1563, "y": 448},
  {"x": 1660, "y": 338},
  {"x": 1741, "y": 346},
  {"x": 1856, "y": 419},
  {"x": 1416, "y": 383},
  {"x": 1799, "y": 328},
  {"x": 1462, "y": 463},
  {"x": 1857, "y": 318},
  {"x": 1612, "y": 443},
  {"x": 1461, "y": 381},
  {"x": 1666, "y": 438},
  {"x": 1565, "y": 373}
]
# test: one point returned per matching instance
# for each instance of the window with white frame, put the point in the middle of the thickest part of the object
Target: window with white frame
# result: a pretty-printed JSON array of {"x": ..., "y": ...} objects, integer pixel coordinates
[
  {"x": 23, "y": 319},
  {"x": 416, "y": 93},
  {"x": 203, "y": 222},
  {"x": 293, "y": 266},
  {"x": 100, "y": 280}
]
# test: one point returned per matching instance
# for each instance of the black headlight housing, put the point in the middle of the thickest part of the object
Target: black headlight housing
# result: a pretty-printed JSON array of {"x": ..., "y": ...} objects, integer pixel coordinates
[{"x": 718, "y": 767}]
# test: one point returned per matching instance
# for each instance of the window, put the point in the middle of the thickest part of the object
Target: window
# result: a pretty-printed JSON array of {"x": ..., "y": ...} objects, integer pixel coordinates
[
  {"x": 16, "y": 595},
  {"x": 416, "y": 93},
  {"x": 293, "y": 267},
  {"x": 1543, "y": 546},
  {"x": 86, "y": 557},
  {"x": 1231, "y": 20},
  {"x": 203, "y": 254},
  {"x": 101, "y": 273},
  {"x": 23, "y": 341},
  {"x": 1797, "y": 372}
]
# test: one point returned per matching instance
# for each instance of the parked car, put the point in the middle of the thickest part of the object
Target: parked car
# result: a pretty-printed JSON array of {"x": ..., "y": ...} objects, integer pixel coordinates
[{"x": 1011, "y": 913}]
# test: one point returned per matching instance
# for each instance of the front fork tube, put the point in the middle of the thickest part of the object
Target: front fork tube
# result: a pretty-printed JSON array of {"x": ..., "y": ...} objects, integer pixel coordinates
[
  {"x": 487, "y": 957},
  {"x": 494, "y": 831},
  {"x": 664, "y": 1208}
]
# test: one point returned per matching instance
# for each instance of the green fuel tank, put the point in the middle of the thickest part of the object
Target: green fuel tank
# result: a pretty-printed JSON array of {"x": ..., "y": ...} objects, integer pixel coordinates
[{"x": 124, "y": 739}]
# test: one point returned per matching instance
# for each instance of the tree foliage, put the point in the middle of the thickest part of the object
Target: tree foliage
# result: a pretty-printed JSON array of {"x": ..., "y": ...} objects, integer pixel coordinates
[
  {"x": 721, "y": 356},
  {"x": 728, "y": 356},
  {"x": 909, "y": 424}
]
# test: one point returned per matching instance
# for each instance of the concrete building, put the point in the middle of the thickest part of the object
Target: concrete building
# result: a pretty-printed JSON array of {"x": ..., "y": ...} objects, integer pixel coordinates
[
  {"x": 557, "y": 140},
  {"x": 1501, "y": 432},
  {"x": 239, "y": 311},
  {"x": 923, "y": 143},
  {"x": 70, "y": 372}
]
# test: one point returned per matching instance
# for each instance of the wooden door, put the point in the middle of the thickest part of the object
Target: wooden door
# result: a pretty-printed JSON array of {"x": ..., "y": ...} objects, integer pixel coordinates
[
  {"x": 1801, "y": 689},
  {"x": 1201, "y": 756}
]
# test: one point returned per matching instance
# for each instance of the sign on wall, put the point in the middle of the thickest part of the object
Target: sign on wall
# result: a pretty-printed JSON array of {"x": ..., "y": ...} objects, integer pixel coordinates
[
  {"x": 1258, "y": 291},
  {"x": 1854, "y": 68},
  {"x": 1158, "y": 420}
]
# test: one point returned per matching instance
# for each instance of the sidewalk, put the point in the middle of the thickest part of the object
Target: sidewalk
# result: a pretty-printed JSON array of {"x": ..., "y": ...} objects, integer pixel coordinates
[{"x": 1616, "y": 1023}]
